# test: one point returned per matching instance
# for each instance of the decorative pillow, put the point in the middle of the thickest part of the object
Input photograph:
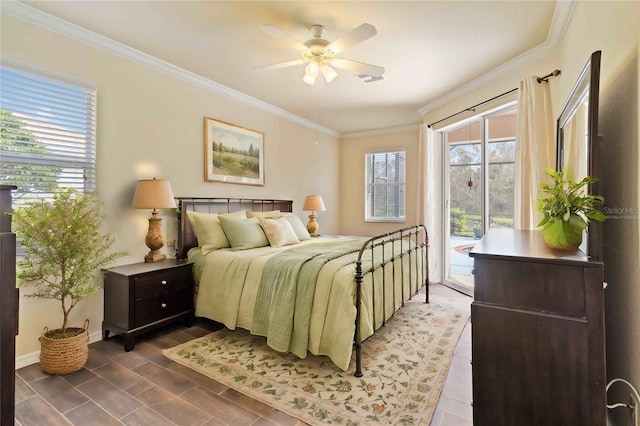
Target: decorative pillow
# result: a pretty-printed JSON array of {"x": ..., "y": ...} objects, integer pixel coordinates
[
  {"x": 279, "y": 231},
  {"x": 243, "y": 234},
  {"x": 208, "y": 230},
  {"x": 298, "y": 227},
  {"x": 273, "y": 213}
]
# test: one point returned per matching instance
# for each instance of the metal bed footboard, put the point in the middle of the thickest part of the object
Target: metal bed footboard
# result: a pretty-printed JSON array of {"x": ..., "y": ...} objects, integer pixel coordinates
[{"x": 412, "y": 240}]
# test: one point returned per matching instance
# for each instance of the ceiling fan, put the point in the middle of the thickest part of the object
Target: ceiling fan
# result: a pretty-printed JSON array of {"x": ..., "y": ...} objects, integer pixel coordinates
[{"x": 320, "y": 55}]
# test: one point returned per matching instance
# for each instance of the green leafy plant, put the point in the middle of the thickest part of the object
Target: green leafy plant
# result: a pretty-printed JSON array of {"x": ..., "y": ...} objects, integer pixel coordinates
[
  {"x": 567, "y": 209},
  {"x": 64, "y": 246}
]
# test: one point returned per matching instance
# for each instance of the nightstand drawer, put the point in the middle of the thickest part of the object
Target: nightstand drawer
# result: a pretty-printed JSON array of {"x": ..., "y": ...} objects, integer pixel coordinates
[
  {"x": 157, "y": 284},
  {"x": 156, "y": 308},
  {"x": 142, "y": 296}
]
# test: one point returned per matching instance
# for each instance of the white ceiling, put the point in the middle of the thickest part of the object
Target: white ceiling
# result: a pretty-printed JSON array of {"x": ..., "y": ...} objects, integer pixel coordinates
[{"x": 428, "y": 48}]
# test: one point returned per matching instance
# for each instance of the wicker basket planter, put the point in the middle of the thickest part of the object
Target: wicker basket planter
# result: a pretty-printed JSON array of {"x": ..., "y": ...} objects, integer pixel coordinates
[{"x": 67, "y": 355}]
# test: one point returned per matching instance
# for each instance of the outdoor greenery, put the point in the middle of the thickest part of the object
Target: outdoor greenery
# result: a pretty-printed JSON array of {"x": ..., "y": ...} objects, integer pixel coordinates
[
  {"x": 458, "y": 221},
  {"x": 28, "y": 178},
  {"x": 466, "y": 201},
  {"x": 65, "y": 247}
]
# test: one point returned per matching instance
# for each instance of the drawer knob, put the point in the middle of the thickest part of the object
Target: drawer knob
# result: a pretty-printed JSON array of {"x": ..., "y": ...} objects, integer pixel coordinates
[
  {"x": 163, "y": 282},
  {"x": 163, "y": 305}
]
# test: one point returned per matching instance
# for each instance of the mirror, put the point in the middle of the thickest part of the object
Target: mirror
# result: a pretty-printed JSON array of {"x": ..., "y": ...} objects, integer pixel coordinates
[{"x": 577, "y": 141}]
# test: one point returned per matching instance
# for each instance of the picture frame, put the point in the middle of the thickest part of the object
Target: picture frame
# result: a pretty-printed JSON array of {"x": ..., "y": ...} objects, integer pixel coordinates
[{"x": 233, "y": 154}]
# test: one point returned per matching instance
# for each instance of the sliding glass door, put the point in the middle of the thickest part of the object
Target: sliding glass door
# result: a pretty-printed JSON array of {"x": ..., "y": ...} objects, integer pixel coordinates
[{"x": 478, "y": 188}]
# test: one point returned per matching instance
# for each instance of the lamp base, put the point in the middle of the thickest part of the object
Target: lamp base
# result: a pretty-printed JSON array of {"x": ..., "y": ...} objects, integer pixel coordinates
[
  {"x": 154, "y": 256},
  {"x": 154, "y": 239},
  {"x": 313, "y": 226}
]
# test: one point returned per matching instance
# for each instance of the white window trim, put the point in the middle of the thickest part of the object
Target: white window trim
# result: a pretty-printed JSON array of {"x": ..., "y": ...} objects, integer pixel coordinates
[{"x": 366, "y": 188}]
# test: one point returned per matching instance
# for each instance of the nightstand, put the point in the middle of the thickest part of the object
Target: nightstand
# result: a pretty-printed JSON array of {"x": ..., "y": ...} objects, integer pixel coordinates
[{"x": 143, "y": 296}]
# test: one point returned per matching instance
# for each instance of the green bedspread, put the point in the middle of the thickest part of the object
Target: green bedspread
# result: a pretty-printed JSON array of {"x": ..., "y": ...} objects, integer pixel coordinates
[
  {"x": 320, "y": 317},
  {"x": 283, "y": 304}
]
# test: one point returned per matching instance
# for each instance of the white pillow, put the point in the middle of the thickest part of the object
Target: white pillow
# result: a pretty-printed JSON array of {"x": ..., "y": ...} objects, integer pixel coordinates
[
  {"x": 298, "y": 227},
  {"x": 278, "y": 231}
]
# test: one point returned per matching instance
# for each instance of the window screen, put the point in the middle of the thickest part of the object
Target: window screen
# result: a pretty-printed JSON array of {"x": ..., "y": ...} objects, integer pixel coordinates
[
  {"x": 385, "y": 186},
  {"x": 48, "y": 130}
]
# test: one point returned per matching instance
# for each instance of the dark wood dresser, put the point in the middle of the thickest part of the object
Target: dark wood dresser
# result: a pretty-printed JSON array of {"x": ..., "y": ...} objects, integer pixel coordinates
[
  {"x": 142, "y": 296},
  {"x": 538, "y": 343},
  {"x": 8, "y": 309}
]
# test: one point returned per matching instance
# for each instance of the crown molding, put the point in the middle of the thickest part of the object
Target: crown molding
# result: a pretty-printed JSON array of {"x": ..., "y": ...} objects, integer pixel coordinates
[
  {"x": 561, "y": 18},
  {"x": 75, "y": 32},
  {"x": 385, "y": 131}
]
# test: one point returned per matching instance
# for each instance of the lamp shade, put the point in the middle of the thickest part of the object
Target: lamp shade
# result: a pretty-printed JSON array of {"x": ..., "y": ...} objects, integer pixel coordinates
[
  {"x": 153, "y": 194},
  {"x": 314, "y": 203}
]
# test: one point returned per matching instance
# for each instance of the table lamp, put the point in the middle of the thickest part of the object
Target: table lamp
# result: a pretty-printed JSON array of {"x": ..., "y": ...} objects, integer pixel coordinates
[
  {"x": 154, "y": 194},
  {"x": 313, "y": 203}
]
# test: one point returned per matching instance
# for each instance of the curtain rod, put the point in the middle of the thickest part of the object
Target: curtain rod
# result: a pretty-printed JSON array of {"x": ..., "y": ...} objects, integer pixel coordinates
[{"x": 545, "y": 79}]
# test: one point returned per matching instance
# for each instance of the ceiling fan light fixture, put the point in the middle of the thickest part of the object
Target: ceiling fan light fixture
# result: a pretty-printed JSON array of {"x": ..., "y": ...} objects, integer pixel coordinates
[
  {"x": 329, "y": 73},
  {"x": 320, "y": 55},
  {"x": 311, "y": 72}
]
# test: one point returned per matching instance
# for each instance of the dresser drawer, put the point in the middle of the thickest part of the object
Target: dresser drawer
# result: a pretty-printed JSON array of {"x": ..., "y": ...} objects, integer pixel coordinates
[
  {"x": 534, "y": 286},
  {"x": 153, "y": 285}
]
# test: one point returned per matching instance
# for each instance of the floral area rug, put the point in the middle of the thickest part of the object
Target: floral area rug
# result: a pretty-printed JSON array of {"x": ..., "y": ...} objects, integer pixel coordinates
[{"x": 405, "y": 365}]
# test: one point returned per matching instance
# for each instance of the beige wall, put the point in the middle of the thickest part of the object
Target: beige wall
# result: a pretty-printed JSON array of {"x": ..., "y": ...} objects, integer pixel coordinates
[
  {"x": 151, "y": 125},
  {"x": 352, "y": 171}
]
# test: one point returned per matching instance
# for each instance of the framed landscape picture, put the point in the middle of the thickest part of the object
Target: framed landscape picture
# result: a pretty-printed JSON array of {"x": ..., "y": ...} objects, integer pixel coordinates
[{"x": 233, "y": 154}]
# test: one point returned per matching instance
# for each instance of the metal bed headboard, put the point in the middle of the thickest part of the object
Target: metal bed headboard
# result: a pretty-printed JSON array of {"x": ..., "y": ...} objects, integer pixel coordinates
[{"x": 187, "y": 238}]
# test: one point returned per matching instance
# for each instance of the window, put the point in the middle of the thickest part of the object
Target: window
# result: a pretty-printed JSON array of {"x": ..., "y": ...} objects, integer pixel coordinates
[
  {"x": 385, "y": 186},
  {"x": 48, "y": 126}
]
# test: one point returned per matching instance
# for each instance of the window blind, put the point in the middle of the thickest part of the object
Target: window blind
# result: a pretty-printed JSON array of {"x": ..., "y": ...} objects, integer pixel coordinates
[
  {"x": 385, "y": 186},
  {"x": 48, "y": 134}
]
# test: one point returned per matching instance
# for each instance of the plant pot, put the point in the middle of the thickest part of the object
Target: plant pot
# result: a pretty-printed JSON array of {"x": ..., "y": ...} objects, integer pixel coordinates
[
  {"x": 64, "y": 355},
  {"x": 562, "y": 235}
]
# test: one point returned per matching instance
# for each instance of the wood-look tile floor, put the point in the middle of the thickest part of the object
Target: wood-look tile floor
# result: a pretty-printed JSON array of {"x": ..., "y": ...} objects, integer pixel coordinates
[{"x": 142, "y": 387}]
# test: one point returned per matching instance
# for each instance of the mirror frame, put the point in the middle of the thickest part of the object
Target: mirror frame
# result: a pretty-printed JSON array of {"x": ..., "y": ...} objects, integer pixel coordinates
[{"x": 589, "y": 80}]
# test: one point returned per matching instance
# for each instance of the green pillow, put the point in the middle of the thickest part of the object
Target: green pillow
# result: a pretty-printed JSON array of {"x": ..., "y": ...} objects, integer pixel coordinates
[
  {"x": 243, "y": 234},
  {"x": 298, "y": 227},
  {"x": 208, "y": 231}
]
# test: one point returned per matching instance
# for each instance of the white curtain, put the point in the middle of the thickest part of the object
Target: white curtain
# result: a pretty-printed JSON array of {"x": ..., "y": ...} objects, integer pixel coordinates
[
  {"x": 535, "y": 149},
  {"x": 428, "y": 197}
]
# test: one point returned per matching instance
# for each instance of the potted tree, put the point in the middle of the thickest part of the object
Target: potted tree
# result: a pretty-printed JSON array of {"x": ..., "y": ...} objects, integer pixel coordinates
[
  {"x": 65, "y": 248},
  {"x": 566, "y": 209}
]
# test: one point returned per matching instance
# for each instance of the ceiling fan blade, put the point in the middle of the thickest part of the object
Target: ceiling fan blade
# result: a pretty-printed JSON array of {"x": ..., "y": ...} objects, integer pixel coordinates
[
  {"x": 353, "y": 37},
  {"x": 280, "y": 65},
  {"x": 276, "y": 33},
  {"x": 358, "y": 67}
]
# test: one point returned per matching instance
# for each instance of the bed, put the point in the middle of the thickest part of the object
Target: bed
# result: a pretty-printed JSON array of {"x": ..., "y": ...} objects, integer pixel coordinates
[{"x": 325, "y": 295}]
